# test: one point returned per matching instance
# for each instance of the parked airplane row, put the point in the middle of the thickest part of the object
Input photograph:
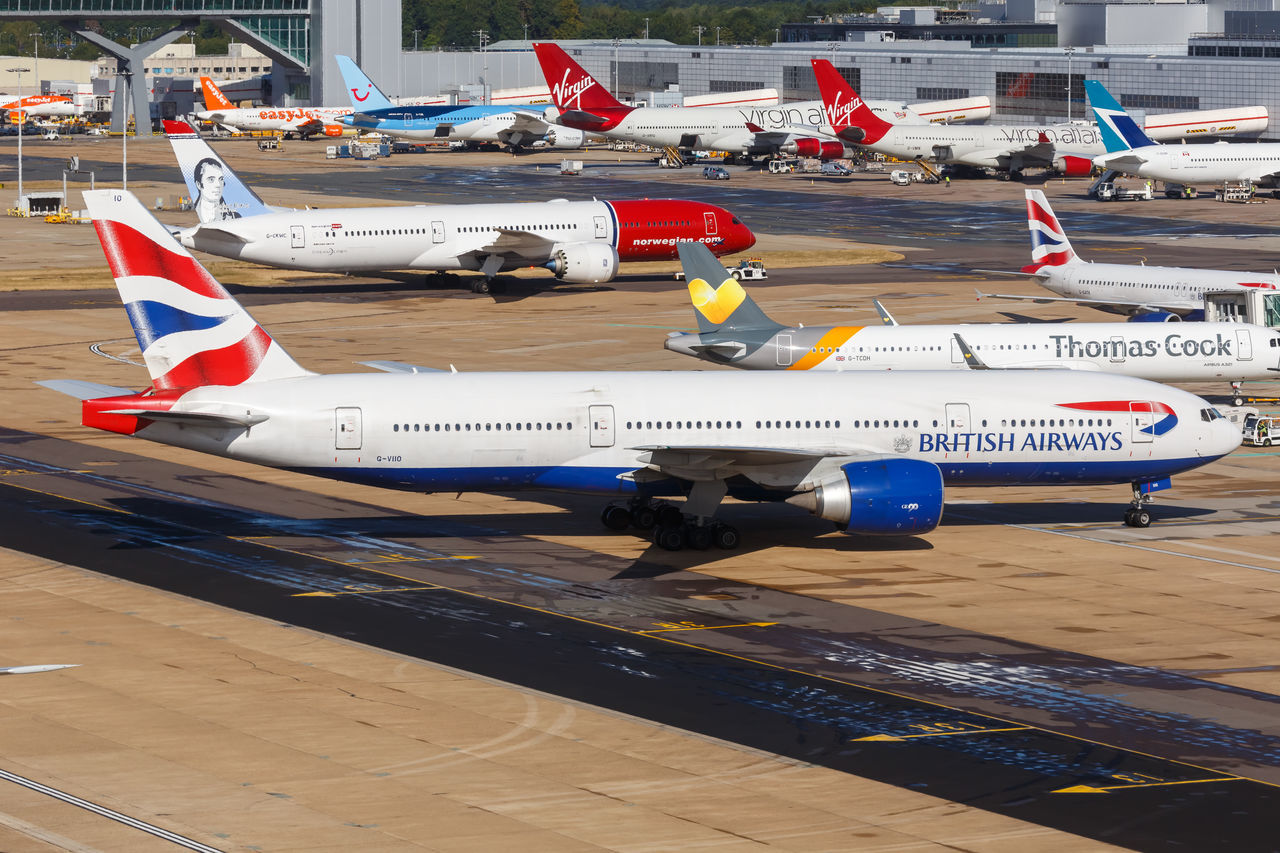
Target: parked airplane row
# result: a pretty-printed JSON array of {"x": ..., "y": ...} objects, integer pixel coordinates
[{"x": 870, "y": 451}]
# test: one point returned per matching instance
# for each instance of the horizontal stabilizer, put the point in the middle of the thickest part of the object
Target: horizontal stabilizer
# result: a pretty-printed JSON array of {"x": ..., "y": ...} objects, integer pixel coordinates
[
  {"x": 400, "y": 367},
  {"x": 204, "y": 419},
  {"x": 1040, "y": 274},
  {"x": 581, "y": 116},
  {"x": 82, "y": 390},
  {"x": 726, "y": 349},
  {"x": 212, "y": 232}
]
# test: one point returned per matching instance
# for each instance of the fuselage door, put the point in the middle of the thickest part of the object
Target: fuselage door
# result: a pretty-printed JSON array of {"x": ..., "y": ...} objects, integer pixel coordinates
[
  {"x": 958, "y": 417},
  {"x": 1244, "y": 345},
  {"x": 602, "y": 227},
  {"x": 1143, "y": 419},
  {"x": 297, "y": 237},
  {"x": 437, "y": 232},
  {"x": 601, "y": 418},
  {"x": 709, "y": 219},
  {"x": 346, "y": 428},
  {"x": 784, "y": 350},
  {"x": 1117, "y": 349}
]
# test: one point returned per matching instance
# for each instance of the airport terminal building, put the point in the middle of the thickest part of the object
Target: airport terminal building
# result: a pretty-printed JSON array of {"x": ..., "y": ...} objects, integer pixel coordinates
[{"x": 1192, "y": 56}]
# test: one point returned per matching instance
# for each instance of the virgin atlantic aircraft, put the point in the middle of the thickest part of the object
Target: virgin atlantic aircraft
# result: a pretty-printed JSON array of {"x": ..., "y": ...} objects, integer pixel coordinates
[
  {"x": 579, "y": 241},
  {"x": 869, "y": 451}
]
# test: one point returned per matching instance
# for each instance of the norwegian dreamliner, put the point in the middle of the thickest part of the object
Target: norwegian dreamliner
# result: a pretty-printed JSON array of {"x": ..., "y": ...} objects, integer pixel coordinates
[
  {"x": 1133, "y": 152},
  {"x": 579, "y": 241},
  {"x": 516, "y": 126},
  {"x": 1145, "y": 293},
  {"x": 733, "y": 330},
  {"x": 869, "y": 451},
  {"x": 582, "y": 103}
]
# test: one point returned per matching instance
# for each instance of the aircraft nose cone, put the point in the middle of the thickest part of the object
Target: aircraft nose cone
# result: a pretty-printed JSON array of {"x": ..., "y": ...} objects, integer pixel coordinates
[{"x": 1224, "y": 437}]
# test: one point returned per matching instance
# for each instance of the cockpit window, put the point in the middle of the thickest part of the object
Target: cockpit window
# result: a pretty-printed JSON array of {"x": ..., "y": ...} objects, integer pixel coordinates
[{"x": 1210, "y": 415}]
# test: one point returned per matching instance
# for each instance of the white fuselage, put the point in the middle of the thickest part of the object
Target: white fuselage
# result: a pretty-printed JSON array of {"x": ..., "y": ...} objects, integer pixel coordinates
[
  {"x": 281, "y": 119},
  {"x": 1164, "y": 352},
  {"x": 1175, "y": 288},
  {"x": 599, "y": 432},
  {"x": 989, "y": 146},
  {"x": 1208, "y": 164},
  {"x": 435, "y": 237}
]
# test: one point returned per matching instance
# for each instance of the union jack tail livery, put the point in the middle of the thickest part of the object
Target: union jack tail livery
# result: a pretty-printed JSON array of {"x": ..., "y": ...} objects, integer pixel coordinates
[
  {"x": 1119, "y": 131},
  {"x": 364, "y": 94},
  {"x": 213, "y": 97},
  {"x": 572, "y": 88},
  {"x": 1049, "y": 244},
  {"x": 850, "y": 118},
  {"x": 191, "y": 331}
]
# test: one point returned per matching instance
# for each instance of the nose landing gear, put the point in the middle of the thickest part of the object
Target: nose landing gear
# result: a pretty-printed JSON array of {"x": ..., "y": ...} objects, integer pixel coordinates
[{"x": 1138, "y": 514}]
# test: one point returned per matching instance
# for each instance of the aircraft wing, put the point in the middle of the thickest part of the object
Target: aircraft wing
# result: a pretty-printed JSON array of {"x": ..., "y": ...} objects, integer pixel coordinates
[
  {"x": 311, "y": 125},
  {"x": 1136, "y": 307},
  {"x": 399, "y": 367},
  {"x": 511, "y": 240},
  {"x": 530, "y": 122},
  {"x": 698, "y": 461},
  {"x": 1123, "y": 161}
]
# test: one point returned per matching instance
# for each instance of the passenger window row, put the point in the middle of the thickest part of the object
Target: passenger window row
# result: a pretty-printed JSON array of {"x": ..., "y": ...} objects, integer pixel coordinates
[{"x": 484, "y": 427}]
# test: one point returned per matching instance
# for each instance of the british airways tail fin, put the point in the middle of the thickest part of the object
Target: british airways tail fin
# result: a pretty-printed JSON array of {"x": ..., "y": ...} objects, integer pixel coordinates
[
  {"x": 572, "y": 88},
  {"x": 364, "y": 94},
  {"x": 1119, "y": 131},
  {"x": 213, "y": 97},
  {"x": 1049, "y": 244},
  {"x": 718, "y": 299},
  {"x": 216, "y": 192},
  {"x": 192, "y": 332},
  {"x": 849, "y": 116}
]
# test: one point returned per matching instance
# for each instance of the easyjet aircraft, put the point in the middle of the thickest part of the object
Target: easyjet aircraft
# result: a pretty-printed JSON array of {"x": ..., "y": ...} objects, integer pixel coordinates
[
  {"x": 41, "y": 106},
  {"x": 580, "y": 241},
  {"x": 291, "y": 121},
  {"x": 869, "y": 451}
]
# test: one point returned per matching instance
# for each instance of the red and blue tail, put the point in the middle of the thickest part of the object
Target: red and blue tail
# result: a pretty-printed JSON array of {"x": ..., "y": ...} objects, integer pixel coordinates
[
  {"x": 192, "y": 332},
  {"x": 1049, "y": 244}
]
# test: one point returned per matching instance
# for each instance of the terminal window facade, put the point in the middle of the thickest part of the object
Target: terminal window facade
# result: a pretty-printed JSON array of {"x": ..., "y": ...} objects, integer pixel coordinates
[
  {"x": 1163, "y": 103},
  {"x": 799, "y": 84},
  {"x": 940, "y": 93},
  {"x": 644, "y": 76},
  {"x": 718, "y": 86},
  {"x": 1036, "y": 92}
]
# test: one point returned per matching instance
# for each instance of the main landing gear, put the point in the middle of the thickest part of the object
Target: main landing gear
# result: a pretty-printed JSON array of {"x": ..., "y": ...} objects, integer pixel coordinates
[
  {"x": 668, "y": 526},
  {"x": 1138, "y": 515}
]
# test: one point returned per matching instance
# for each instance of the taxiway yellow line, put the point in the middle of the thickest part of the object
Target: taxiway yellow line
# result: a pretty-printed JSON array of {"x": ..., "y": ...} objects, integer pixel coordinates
[
  {"x": 1099, "y": 789},
  {"x": 706, "y": 627}
]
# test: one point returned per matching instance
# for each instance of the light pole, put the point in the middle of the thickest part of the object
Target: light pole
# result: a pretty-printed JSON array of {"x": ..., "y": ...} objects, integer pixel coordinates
[
  {"x": 526, "y": 31},
  {"x": 699, "y": 30},
  {"x": 415, "y": 40},
  {"x": 1069, "y": 51},
  {"x": 616, "y": 69},
  {"x": 124, "y": 74},
  {"x": 646, "y": 29},
  {"x": 22, "y": 119},
  {"x": 718, "y": 36}
]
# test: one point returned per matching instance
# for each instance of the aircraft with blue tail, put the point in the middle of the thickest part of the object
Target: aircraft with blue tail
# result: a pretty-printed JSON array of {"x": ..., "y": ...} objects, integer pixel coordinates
[
  {"x": 517, "y": 127},
  {"x": 1131, "y": 151}
]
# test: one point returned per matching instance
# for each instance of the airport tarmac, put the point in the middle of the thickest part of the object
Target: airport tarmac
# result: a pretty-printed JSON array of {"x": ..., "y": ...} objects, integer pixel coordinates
[{"x": 234, "y": 723}]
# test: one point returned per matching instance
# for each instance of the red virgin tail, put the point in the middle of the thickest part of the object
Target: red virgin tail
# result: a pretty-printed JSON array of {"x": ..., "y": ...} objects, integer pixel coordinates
[
  {"x": 572, "y": 88},
  {"x": 848, "y": 116}
]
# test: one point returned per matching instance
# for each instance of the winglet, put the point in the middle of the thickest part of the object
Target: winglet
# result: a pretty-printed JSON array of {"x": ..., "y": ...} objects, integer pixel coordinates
[
  {"x": 364, "y": 94},
  {"x": 885, "y": 316},
  {"x": 970, "y": 359}
]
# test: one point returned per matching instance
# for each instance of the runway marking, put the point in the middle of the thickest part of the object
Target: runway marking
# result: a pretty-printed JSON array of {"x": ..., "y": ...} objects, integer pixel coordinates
[
  {"x": 151, "y": 829},
  {"x": 371, "y": 590},
  {"x": 694, "y": 626},
  {"x": 955, "y": 729},
  {"x": 732, "y": 656},
  {"x": 1100, "y": 789},
  {"x": 65, "y": 498}
]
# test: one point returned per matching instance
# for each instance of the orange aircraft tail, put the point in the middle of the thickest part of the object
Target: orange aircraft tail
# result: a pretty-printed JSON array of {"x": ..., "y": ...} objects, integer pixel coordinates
[{"x": 213, "y": 97}]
